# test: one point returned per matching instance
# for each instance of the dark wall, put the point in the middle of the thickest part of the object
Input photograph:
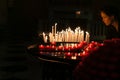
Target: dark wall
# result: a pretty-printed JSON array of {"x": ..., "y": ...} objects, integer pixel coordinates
[
  {"x": 27, "y": 17},
  {"x": 3, "y": 12},
  {"x": 24, "y": 16}
]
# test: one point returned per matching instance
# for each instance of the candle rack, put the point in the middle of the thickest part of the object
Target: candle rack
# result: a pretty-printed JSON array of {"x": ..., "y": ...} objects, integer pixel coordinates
[
  {"x": 64, "y": 43},
  {"x": 67, "y": 40}
]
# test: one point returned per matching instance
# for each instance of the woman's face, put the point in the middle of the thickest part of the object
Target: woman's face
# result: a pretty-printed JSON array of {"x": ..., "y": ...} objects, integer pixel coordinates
[{"x": 106, "y": 19}]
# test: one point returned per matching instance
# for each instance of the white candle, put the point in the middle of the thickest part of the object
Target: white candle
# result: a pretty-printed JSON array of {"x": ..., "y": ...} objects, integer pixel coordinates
[
  {"x": 50, "y": 37},
  {"x": 55, "y": 27},
  {"x": 75, "y": 35},
  {"x": 44, "y": 37},
  {"x": 87, "y": 37},
  {"x": 53, "y": 31},
  {"x": 82, "y": 35},
  {"x": 79, "y": 36}
]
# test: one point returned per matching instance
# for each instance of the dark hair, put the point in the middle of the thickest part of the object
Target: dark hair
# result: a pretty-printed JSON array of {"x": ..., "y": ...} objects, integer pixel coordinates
[{"x": 111, "y": 11}]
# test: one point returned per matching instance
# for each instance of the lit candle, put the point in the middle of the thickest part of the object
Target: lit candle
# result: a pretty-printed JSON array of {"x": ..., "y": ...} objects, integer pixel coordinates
[
  {"x": 55, "y": 27},
  {"x": 79, "y": 35},
  {"x": 66, "y": 48},
  {"x": 84, "y": 53},
  {"x": 50, "y": 37},
  {"x": 87, "y": 37},
  {"x": 82, "y": 35},
  {"x": 41, "y": 47},
  {"x": 48, "y": 48},
  {"x": 53, "y": 43},
  {"x": 74, "y": 57},
  {"x": 75, "y": 35},
  {"x": 44, "y": 36},
  {"x": 53, "y": 48},
  {"x": 68, "y": 54},
  {"x": 53, "y": 30},
  {"x": 60, "y": 48}
]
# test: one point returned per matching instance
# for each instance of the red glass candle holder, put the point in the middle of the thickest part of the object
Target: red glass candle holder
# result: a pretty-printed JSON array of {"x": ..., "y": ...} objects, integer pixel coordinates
[
  {"x": 53, "y": 48},
  {"x": 60, "y": 48},
  {"x": 53, "y": 43},
  {"x": 84, "y": 53},
  {"x": 66, "y": 48},
  {"x": 41, "y": 47},
  {"x": 68, "y": 55},
  {"x": 47, "y": 48}
]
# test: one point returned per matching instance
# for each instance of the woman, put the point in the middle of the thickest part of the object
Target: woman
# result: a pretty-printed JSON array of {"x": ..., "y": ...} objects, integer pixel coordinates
[
  {"x": 103, "y": 63},
  {"x": 110, "y": 17}
]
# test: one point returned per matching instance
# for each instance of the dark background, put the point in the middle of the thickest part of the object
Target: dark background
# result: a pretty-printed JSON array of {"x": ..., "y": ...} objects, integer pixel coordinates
[
  {"x": 26, "y": 18},
  {"x": 22, "y": 20}
]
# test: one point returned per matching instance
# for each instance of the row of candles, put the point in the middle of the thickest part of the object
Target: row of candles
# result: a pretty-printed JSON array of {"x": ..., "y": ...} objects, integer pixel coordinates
[
  {"x": 68, "y": 52},
  {"x": 53, "y": 48},
  {"x": 82, "y": 49},
  {"x": 67, "y": 35},
  {"x": 72, "y": 52},
  {"x": 67, "y": 55}
]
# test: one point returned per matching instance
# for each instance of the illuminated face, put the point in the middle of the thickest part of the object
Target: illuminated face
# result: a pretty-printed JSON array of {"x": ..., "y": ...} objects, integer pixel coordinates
[{"x": 107, "y": 19}]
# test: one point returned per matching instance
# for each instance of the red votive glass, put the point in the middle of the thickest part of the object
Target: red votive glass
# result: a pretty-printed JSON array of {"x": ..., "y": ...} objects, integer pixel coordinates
[
  {"x": 78, "y": 56},
  {"x": 53, "y": 43},
  {"x": 60, "y": 48},
  {"x": 84, "y": 53},
  {"x": 48, "y": 48},
  {"x": 41, "y": 47},
  {"x": 53, "y": 48},
  {"x": 74, "y": 48},
  {"x": 68, "y": 55},
  {"x": 79, "y": 46},
  {"x": 66, "y": 48}
]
